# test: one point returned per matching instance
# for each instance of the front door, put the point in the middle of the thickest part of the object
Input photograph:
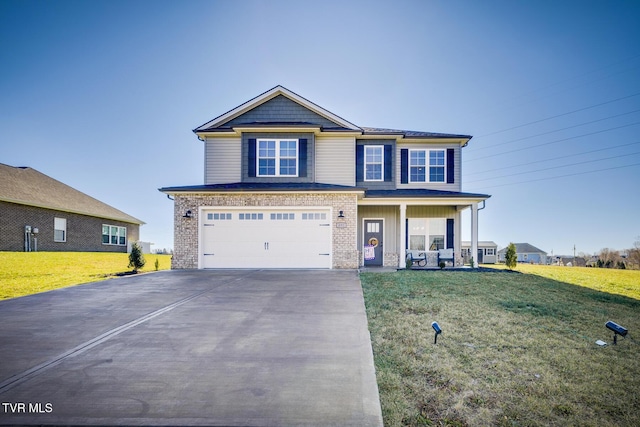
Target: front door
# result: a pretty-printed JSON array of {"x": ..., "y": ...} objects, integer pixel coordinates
[
  {"x": 480, "y": 256},
  {"x": 373, "y": 238}
]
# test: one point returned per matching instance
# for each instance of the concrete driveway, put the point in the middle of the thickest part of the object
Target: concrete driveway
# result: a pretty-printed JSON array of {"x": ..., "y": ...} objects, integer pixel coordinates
[{"x": 233, "y": 348}]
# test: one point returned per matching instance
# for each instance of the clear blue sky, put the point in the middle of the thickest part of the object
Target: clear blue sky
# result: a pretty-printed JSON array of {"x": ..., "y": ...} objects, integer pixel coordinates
[{"x": 103, "y": 95}]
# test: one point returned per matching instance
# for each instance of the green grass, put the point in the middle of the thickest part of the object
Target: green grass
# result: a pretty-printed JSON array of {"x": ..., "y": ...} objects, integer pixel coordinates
[
  {"x": 25, "y": 273},
  {"x": 612, "y": 281},
  {"x": 516, "y": 349}
]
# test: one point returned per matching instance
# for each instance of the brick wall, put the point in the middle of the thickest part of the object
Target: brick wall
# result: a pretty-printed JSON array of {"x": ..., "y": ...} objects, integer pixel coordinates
[
  {"x": 345, "y": 253},
  {"x": 84, "y": 233}
]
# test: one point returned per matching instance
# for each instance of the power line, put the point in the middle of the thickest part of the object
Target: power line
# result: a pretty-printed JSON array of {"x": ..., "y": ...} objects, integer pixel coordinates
[
  {"x": 563, "y": 176},
  {"x": 553, "y": 142},
  {"x": 560, "y": 115},
  {"x": 557, "y": 167},
  {"x": 555, "y": 158},
  {"x": 571, "y": 79},
  {"x": 553, "y": 131}
]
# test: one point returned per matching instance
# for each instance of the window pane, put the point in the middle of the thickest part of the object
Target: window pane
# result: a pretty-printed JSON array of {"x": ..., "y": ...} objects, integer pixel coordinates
[
  {"x": 374, "y": 171},
  {"x": 436, "y": 174},
  {"x": 436, "y": 158},
  {"x": 416, "y": 243},
  {"x": 417, "y": 158},
  {"x": 417, "y": 174},
  {"x": 267, "y": 167},
  {"x": 436, "y": 242},
  {"x": 287, "y": 167}
]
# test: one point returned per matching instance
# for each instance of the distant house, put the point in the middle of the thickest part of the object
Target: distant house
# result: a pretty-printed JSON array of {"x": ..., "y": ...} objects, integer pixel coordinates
[
  {"x": 487, "y": 252},
  {"x": 567, "y": 261},
  {"x": 40, "y": 213},
  {"x": 526, "y": 254}
]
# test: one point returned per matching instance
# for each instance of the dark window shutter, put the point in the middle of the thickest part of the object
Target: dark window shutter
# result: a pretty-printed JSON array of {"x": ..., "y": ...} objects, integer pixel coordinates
[
  {"x": 449, "y": 233},
  {"x": 359, "y": 163},
  {"x": 404, "y": 166},
  {"x": 388, "y": 162},
  {"x": 302, "y": 157},
  {"x": 251, "y": 158},
  {"x": 450, "y": 165}
]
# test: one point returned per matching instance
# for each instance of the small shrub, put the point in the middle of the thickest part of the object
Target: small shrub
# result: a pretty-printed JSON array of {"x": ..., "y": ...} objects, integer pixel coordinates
[
  {"x": 408, "y": 263},
  {"x": 472, "y": 262},
  {"x": 442, "y": 265},
  {"x": 157, "y": 264},
  {"x": 136, "y": 258},
  {"x": 510, "y": 257}
]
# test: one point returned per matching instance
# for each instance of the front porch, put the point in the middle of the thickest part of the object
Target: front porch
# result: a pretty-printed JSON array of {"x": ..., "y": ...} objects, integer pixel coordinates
[{"x": 390, "y": 228}]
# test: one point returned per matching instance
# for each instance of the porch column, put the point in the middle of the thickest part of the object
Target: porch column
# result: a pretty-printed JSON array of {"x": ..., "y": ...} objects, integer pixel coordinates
[
  {"x": 474, "y": 233},
  {"x": 403, "y": 235}
]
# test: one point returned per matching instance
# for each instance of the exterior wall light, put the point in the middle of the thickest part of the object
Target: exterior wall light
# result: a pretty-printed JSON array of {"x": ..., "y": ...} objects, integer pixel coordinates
[
  {"x": 341, "y": 214},
  {"x": 187, "y": 214}
]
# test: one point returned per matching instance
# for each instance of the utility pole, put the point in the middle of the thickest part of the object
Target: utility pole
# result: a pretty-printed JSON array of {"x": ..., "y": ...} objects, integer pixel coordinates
[{"x": 574, "y": 254}]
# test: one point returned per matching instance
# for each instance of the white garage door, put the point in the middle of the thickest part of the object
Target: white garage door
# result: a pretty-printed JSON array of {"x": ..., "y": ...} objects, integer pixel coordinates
[{"x": 270, "y": 238}]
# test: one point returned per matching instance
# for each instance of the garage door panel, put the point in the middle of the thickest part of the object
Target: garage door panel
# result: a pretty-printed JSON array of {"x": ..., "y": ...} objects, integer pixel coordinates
[{"x": 282, "y": 238}]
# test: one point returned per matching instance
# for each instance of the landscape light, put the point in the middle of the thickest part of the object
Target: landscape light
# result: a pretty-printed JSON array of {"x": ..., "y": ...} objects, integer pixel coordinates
[
  {"x": 617, "y": 330},
  {"x": 436, "y": 328},
  {"x": 187, "y": 214}
]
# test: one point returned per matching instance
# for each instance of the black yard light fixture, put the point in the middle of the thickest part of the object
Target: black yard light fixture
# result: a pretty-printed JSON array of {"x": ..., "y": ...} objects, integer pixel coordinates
[
  {"x": 341, "y": 214},
  {"x": 436, "y": 328},
  {"x": 187, "y": 214},
  {"x": 617, "y": 330}
]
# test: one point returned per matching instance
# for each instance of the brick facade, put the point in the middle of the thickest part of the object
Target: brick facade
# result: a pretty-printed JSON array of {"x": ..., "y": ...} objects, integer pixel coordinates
[
  {"x": 344, "y": 248},
  {"x": 84, "y": 233}
]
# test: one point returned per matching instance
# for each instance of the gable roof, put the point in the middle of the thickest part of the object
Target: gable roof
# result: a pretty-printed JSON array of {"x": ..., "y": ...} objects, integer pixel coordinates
[
  {"x": 277, "y": 91},
  {"x": 27, "y": 186},
  {"x": 524, "y": 248}
]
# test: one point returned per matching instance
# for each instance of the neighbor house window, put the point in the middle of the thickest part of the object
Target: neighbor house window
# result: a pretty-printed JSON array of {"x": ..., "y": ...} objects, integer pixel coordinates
[
  {"x": 59, "y": 229},
  {"x": 277, "y": 157},
  {"x": 417, "y": 166},
  {"x": 490, "y": 251},
  {"x": 114, "y": 235},
  {"x": 436, "y": 166},
  {"x": 373, "y": 162}
]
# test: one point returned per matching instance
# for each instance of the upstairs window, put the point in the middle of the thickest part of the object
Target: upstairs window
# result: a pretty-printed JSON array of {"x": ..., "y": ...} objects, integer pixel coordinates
[
  {"x": 436, "y": 166},
  {"x": 417, "y": 166},
  {"x": 421, "y": 161},
  {"x": 277, "y": 157},
  {"x": 373, "y": 162}
]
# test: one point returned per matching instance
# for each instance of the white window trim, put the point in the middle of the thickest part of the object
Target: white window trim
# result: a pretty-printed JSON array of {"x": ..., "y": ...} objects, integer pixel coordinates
[
  {"x": 64, "y": 230},
  {"x": 427, "y": 174},
  {"x": 120, "y": 228},
  {"x": 277, "y": 158},
  {"x": 381, "y": 163}
]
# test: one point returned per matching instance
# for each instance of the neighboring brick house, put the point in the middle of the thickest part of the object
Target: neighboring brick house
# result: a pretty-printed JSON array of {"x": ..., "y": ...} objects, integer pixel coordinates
[
  {"x": 40, "y": 213},
  {"x": 288, "y": 184}
]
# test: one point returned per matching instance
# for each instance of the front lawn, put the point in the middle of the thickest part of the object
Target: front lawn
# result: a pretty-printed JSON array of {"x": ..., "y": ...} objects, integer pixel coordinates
[
  {"x": 25, "y": 273},
  {"x": 516, "y": 349}
]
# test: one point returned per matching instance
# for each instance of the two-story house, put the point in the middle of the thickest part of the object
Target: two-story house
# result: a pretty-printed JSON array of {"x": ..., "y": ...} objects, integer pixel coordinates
[{"x": 288, "y": 184}]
